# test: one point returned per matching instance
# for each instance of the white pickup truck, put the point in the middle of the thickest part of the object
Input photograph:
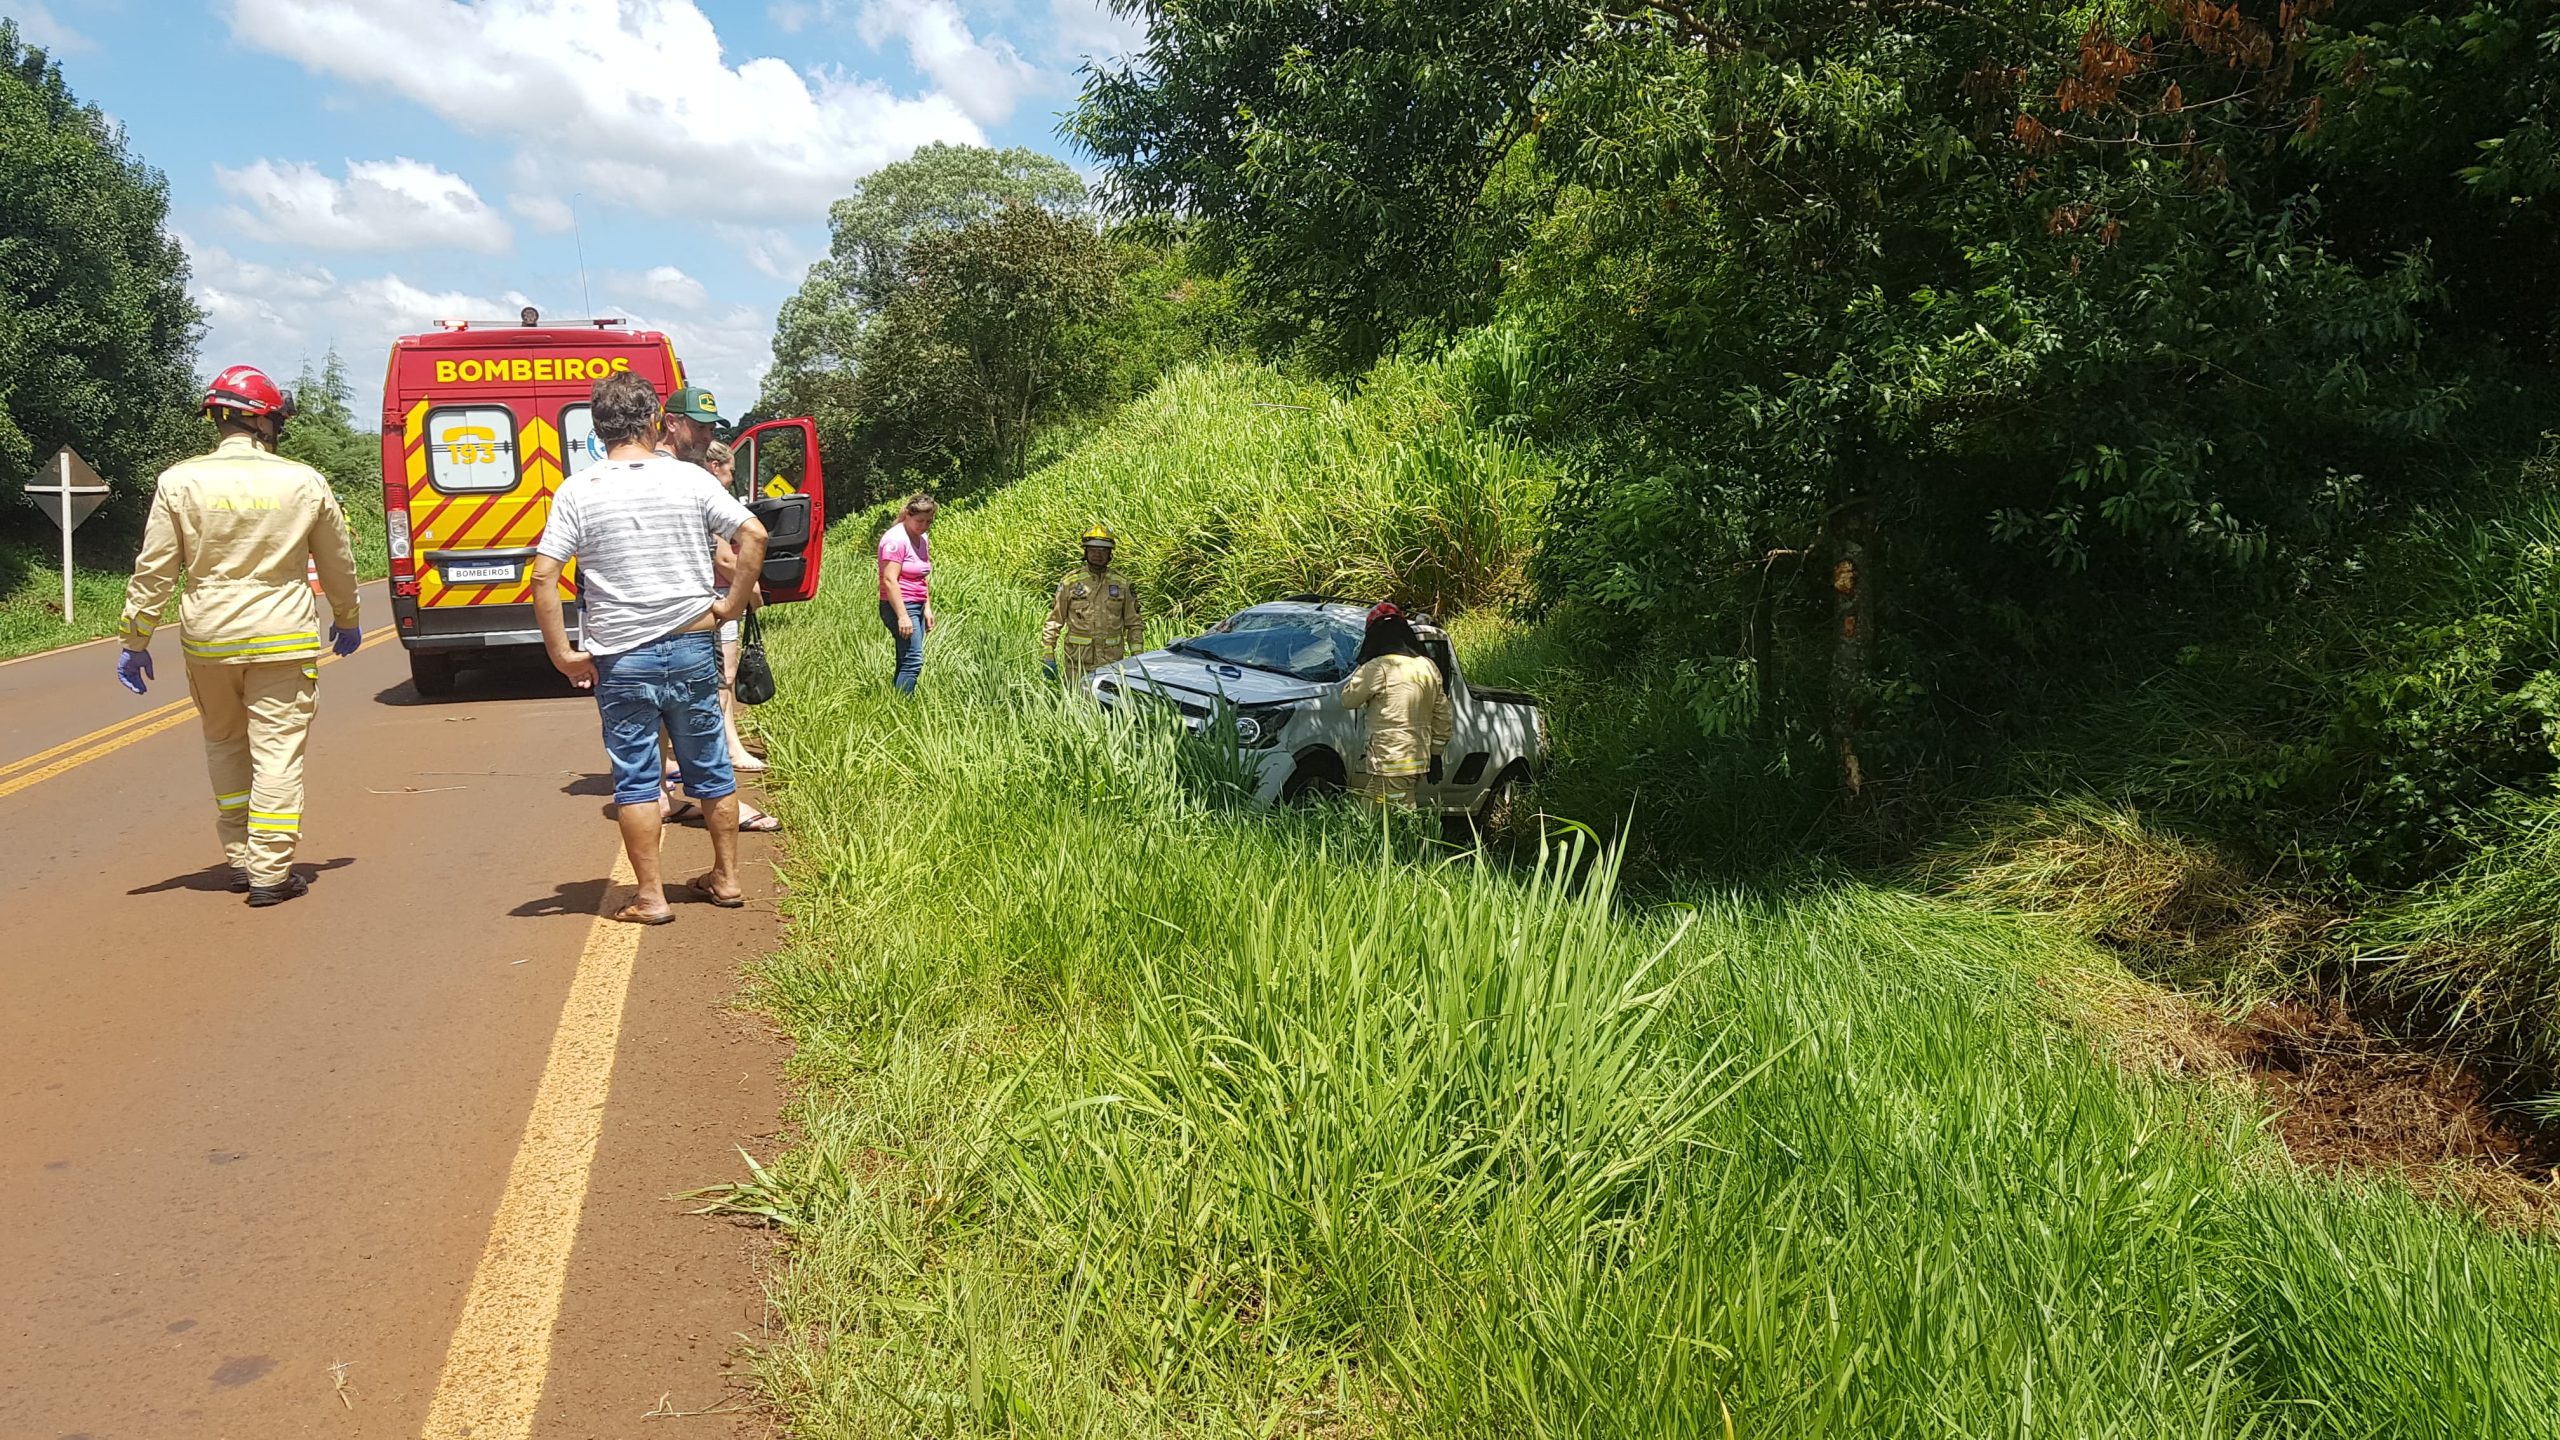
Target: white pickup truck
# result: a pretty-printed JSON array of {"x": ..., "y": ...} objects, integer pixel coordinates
[{"x": 1279, "y": 668}]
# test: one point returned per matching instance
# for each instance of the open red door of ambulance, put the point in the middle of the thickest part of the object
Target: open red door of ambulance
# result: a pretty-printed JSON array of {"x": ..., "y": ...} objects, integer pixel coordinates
[{"x": 776, "y": 470}]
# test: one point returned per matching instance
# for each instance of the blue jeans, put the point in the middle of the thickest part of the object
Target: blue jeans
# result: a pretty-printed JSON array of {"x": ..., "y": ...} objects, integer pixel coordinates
[
  {"x": 672, "y": 682},
  {"x": 910, "y": 647}
]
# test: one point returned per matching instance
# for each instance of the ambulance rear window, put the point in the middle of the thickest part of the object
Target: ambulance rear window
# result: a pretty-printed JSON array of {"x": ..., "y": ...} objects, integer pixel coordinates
[
  {"x": 472, "y": 448},
  {"x": 579, "y": 446}
]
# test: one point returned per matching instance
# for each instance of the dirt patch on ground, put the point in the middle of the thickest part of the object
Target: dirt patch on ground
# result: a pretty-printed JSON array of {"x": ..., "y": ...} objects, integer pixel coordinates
[{"x": 2346, "y": 1101}]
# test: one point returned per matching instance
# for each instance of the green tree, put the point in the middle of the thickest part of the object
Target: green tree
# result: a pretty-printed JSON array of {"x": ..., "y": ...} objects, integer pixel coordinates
[
  {"x": 324, "y": 435},
  {"x": 972, "y": 353},
  {"x": 2026, "y": 305},
  {"x": 1337, "y": 149},
  {"x": 97, "y": 333},
  {"x": 818, "y": 335}
]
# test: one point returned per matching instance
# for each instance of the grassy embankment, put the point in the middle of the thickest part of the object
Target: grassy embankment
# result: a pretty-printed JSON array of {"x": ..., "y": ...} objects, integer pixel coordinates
[
  {"x": 31, "y": 581},
  {"x": 1131, "y": 1113}
]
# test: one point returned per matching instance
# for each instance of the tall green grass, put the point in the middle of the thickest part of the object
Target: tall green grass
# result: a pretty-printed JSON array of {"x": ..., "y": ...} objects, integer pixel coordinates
[
  {"x": 31, "y": 596},
  {"x": 1130, "y": 1112},
  {"x": 31, "y": 581},
  {"x": 1229, "y": 484}
]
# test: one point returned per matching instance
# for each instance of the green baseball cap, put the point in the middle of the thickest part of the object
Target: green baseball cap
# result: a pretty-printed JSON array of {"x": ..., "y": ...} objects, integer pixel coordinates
[{"x": 695, "y": 404}]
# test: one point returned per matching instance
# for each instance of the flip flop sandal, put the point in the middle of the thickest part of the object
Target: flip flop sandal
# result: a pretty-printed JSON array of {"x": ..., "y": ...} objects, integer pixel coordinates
[
  {"x": 634, "y": 915},
  {"x": 761, "y": 823},
  {"x": 725, "y": 902}
]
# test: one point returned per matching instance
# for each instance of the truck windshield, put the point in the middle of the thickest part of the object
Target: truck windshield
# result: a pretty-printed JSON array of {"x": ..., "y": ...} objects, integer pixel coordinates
[{"x": 1307, "y": 645}]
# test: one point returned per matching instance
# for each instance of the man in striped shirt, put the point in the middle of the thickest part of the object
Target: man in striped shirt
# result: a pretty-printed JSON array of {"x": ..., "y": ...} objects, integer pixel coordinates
[{"x": 640, "y": 527}]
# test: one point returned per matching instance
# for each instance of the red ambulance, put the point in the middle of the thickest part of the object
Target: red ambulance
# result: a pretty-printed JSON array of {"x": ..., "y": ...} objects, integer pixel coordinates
[{"x": 481, "y": 422}]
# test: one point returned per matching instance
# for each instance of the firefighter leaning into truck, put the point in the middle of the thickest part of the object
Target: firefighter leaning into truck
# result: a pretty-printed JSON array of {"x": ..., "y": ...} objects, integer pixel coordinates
[
  {"x": 246, "y": 527},
  {"x": 1408, "y": 704},
  {"x": 1095, "y": 613}
]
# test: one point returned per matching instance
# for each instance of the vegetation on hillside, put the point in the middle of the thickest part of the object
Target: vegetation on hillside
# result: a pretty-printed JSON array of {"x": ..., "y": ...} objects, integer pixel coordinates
[
  {"x": 1132, "y": 1112},
  {"x": 1898, "y": 352},
  {"x": 971, "y": 299}
]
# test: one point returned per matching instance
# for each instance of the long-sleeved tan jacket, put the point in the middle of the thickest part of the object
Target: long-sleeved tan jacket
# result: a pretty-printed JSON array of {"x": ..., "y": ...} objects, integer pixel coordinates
[
  {"x": 242, "y": 525},
  {"x": 1096, "y": 613},
  {"x": 1408, "y": 707}
]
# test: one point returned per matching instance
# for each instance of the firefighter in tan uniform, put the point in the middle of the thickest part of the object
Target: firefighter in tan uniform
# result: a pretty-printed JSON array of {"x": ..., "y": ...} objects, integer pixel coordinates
[
  {"x": 1095, "y": 614},
  {"x": 246, "y": 528},
  {"x": 1408, "y": 705}
]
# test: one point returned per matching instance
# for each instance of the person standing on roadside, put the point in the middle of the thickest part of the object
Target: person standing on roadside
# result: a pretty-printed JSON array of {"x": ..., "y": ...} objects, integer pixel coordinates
[
  {"x": 639, "y": 525},
  {"x": 246, "y": 527},
  {"x": 1095, "y": 612},
  {"x": 724, "y": 565},
  {"x": 906, "y": 595},
  {"x": 1408, "y": 705}
]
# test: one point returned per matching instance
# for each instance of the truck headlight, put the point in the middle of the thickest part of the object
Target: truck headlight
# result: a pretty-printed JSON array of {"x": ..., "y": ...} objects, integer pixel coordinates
[{"x": 1259, "y": 727}]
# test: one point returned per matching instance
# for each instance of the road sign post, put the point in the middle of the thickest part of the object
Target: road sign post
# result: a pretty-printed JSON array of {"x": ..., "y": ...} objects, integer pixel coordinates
[{"x": 75, "y": 494}]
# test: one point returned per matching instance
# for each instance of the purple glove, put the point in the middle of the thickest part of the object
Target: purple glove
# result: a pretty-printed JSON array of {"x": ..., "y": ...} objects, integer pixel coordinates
[
  {"x": 133, "y": 668},
  {"x": 343, "y": 639}
]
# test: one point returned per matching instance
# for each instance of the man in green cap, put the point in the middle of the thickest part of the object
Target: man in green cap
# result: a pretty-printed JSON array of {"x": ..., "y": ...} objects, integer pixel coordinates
[{"x": 692, "y": 419}]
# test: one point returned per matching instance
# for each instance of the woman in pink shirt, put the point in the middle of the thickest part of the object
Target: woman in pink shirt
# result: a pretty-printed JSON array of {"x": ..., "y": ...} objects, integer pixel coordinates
[{"x": 906, "y": 602}]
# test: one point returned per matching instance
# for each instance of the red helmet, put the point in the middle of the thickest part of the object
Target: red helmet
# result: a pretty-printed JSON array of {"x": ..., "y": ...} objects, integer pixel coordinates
[
  {"x": 247, "y": 389},
  {"x": 1384, "y": 609}
]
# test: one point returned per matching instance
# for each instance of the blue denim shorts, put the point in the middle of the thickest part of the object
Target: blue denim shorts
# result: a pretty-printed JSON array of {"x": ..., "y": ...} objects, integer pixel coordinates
[{"x": 672, "y": 682}]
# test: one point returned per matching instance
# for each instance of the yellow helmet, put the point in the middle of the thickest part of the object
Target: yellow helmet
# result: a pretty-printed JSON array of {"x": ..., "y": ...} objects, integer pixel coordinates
[{"x": 1100, "y": 535}]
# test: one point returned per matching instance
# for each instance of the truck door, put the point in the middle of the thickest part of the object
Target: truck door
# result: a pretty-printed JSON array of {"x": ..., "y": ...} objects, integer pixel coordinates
[
  {"x": 490, "y": 474},
  {"x": 776, "y": 465},
  {"x": 1463, "y": 776}
]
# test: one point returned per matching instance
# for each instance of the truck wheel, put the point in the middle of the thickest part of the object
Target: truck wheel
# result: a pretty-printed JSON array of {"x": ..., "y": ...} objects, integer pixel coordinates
[
  {"x": 1319, "y": 775},
  {"x": 1492, "y": 814},
  {"x": 431, "y": 673}
]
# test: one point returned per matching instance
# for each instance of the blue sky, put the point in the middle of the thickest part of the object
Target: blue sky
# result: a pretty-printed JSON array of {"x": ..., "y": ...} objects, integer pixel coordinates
[{"x": 344, "y": 171}]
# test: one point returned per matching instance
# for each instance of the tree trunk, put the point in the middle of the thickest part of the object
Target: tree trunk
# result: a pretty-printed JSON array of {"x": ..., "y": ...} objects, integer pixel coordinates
[{"x": 1853, "y": 612}]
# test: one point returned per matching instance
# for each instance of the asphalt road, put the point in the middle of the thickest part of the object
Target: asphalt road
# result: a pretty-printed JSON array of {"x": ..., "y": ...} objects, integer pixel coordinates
[{"x": 252, "y": 1160}]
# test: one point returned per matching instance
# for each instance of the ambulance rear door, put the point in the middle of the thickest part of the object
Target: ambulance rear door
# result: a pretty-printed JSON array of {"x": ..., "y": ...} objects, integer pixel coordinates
[
  {"x": 492, "y": 466},
  {"x": 776, "y": 465}
]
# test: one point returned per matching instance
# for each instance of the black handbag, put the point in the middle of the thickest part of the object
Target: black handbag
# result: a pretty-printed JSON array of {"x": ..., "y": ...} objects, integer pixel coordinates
[{"x": 755, "y": 673}]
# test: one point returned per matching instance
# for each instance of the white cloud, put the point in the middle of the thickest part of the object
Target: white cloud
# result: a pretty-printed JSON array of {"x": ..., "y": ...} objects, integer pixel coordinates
[
  {"x": 770, "y": 252},
  {"x": 278, "y": 316},
  {"x": 37, "y": 23},
  {"x": 547, "y": 213},
  {"x": 793, "y": 16},
  {"x": 663, "y": 287},
  {"x": 627, "y": 101},
  {"x": 986, "y": 78},
  {"x": 382, "y": 205},
  {"x": 1087, "y": 30}
]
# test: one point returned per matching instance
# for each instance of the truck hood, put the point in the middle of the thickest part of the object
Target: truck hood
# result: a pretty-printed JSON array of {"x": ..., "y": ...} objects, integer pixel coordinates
[{"x": 1187, "y": 677}]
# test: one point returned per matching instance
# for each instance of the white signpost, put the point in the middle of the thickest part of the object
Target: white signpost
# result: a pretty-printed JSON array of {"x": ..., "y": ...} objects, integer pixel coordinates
[{"x": 74, "y": 494}]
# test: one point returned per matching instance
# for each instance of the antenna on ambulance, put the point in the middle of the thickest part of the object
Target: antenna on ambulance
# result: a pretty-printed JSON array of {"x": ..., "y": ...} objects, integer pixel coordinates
[{"x": 582, "y": 253}]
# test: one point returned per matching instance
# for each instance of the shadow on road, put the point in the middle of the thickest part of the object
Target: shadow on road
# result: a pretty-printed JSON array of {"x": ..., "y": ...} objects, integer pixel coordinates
[
  {"x": 573, "y": 897},
  {"x": 216, "y": 878},
  {"x": 590, "y": 785},
  {"x": 504, "y": 676}
]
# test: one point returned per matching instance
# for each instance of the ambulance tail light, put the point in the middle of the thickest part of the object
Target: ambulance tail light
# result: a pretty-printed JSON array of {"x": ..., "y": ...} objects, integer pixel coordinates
[{"x": 395, "y": 527}]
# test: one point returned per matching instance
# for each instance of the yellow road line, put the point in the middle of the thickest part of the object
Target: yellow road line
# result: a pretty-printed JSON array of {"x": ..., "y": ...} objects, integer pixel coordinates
[
  {"x": 92, "y": 738},
  {"x": 108, "y": 739},
  {"x": 501, "y": 1351}
]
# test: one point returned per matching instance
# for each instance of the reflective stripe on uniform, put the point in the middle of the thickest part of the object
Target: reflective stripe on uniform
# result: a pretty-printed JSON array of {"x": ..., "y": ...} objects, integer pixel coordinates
[
  {"x": 236, "y": 801},
  {"x": 1401, "y": 767},
  {"x": 283, "y": 824},
  {"x": 1079, "y": 639},
  {"x": 262, "y": 645},
  {"x": 137, "y": 629}
]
